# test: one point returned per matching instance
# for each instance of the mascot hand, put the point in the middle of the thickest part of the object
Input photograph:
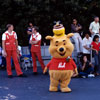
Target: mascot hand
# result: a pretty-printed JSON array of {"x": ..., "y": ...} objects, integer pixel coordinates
[
  {"x": 45, "y": 70},
  {"x": 75, "y": 73}
]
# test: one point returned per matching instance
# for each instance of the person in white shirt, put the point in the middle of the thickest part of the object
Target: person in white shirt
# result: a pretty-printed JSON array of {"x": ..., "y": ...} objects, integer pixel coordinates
[
  {"x": 87, "y": 40},
  {"x": 94, "y": 27}
]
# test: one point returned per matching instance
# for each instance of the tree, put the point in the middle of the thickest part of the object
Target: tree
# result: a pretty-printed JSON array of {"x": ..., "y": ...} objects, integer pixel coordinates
[{"x": 44, "y": 12}]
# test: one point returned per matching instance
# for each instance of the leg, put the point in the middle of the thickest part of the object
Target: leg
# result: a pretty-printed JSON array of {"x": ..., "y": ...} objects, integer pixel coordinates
[
  {"x": 34, "y": 62},
  {"x": 40, "y": 60},
  {"x": 17, "y": 66},
  {"x": 8, "y": 61},
  {"x": 83, "y": 74},
  {"x": 65, "y": 80},
  {"x": 96, "y": 62},
  {"x": 89, "y": 70},
  {"x": 75, "y": 38},
  {"x": 54, "y": 82},
  {"x": 80, "y": 43}
]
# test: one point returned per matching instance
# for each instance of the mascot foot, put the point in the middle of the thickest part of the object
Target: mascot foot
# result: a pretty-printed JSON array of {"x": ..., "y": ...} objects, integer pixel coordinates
[
  {"x": 53, "y": 89},
  {"x": 67, "y": 89}
]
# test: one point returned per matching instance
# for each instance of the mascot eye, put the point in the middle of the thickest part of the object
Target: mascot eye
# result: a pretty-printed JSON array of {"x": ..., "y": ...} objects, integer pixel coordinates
[{"x": 64, "y": 44}]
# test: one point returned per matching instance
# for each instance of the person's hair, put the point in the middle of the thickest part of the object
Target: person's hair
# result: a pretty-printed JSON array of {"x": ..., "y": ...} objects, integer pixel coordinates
[
  {"x": 9, "y": 25},
  {"x": 96, "y": 17},
  {"x": 36, "y": 28},
  {"x": 87, "y": 34},
  {"x": 95, "y": 37},
  {"x": 74, "y": 19}
]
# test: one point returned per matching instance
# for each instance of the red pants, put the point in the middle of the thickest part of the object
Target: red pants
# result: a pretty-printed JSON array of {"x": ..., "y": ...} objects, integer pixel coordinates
[
  {"x": 38, "y": 54},
  {"x": 13, "y": 54}
]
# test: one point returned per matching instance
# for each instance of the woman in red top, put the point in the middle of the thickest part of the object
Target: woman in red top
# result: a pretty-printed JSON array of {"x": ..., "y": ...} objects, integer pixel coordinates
[{"x": 96, "y": 52}]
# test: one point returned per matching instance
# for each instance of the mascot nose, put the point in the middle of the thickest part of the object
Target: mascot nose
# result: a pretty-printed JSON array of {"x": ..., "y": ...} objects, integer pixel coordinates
[{"x": 61, "y": 49}]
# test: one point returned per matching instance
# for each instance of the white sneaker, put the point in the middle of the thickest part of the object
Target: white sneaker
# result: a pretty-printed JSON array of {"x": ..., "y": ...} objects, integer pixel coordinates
[
  {"x": 91, "y": 75},
  {"x": 83, "y": 76}
]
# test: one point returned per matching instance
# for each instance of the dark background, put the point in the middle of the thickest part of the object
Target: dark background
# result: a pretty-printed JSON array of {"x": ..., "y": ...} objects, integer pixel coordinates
[{"x": 43, "y": 13}]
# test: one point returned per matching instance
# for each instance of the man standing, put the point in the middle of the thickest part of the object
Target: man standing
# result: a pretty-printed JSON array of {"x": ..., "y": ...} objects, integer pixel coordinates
[
  {"x": 95, "y": 27},
  {"x": 29, "y": 32},
  {"x": 75, "y": 28},
  {"x": 10, "y": 45},
  {"x": 35, "y": 41}
]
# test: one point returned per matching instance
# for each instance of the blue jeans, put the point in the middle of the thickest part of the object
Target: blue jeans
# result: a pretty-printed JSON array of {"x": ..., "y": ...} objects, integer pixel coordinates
[
  {"x": 97, "y": 61},
  {"x": 87, "y": 72}
]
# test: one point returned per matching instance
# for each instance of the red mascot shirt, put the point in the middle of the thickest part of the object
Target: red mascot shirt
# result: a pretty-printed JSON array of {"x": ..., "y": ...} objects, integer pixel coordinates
[{"x": 61, "y": 64}]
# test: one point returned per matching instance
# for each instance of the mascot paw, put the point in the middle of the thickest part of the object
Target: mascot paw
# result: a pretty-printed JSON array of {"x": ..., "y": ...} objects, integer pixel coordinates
[
  {"x": 53, "y": 89},
  {"x": 67, "y": 89}
]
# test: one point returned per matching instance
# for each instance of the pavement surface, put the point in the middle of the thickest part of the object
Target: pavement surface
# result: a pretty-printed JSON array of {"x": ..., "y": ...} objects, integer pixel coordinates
[{"x": 36, "y": 88}]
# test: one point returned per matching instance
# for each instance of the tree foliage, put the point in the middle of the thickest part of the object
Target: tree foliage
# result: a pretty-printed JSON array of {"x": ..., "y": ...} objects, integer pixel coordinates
[{"x": 43, "y": 12}]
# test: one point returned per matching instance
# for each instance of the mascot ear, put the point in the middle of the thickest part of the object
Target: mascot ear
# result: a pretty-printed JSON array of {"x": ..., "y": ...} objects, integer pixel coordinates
[
  {"x": 49, "y": 38},
  {"x": 70, "y": 35}
]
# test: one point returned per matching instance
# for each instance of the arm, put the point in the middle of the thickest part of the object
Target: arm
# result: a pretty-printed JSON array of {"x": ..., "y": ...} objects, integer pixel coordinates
[
  {"x": 91, "y": 64},
  {"x": 33, "y": 42},
  {"x": 86, "y": 47},
  {"x": 75, "y": 69},
  {"x": 90, "y": 29},
  {"x": 3, "y": 46},
  {"x": 16, "y": 42},
  {"x": 46, "y": 68},
  {"x": 79, "y": 27},
  {"x": 94, "y": 49},
  {"x": 73, "y": 28},
  {"x": 83, "y": 67},
  {"x": 29, "y": 33},
  {"x": 36, "y": 41}
]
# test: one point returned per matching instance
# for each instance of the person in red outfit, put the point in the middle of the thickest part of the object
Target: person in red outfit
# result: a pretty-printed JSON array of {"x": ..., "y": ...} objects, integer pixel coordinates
[
  {"x": 35, "y": 41},
  {"x": 96, "y": 52},
  {"x": 10, "y": 45}
]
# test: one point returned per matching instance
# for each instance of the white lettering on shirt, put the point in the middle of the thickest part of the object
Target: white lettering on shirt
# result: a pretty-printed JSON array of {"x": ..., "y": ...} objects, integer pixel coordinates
[{"x": 61, "y": 65}]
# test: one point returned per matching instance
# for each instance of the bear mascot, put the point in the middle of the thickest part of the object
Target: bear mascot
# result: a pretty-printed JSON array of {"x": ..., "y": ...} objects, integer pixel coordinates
[{"x": 61, "y": 67}]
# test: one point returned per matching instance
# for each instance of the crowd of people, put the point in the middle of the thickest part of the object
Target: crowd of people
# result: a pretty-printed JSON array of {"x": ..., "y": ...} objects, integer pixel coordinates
[{"x": 86, "y": 48}]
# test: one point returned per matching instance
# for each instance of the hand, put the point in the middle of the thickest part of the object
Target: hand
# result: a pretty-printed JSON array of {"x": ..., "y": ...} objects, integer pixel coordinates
[
  {"x": 77, "y": 28},
  {"x": 45, "y": 70},
  {"x": 96, "y": 51},
  {"x": 88, "y": 48},
  {"x": 75, "y": 73},
  {"x": 92, "y": 33},
  {"x": 85, "y": 60},
  {"x": 18, "y": 52},
  {"x": 4, "y": 54}
]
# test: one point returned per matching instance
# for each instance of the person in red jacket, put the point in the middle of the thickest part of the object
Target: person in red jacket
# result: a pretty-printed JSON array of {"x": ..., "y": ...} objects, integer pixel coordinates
[
  {"x": 35, "y": 41},
  {"x": 10, "y": 45}
]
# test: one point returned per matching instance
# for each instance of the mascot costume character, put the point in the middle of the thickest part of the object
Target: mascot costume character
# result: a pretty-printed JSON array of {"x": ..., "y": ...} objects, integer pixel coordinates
[{"x": 61, "y": 67}]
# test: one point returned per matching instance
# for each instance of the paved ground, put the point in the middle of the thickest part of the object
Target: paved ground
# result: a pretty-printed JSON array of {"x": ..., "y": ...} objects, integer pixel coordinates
[{"x": 36, "y": 88}]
